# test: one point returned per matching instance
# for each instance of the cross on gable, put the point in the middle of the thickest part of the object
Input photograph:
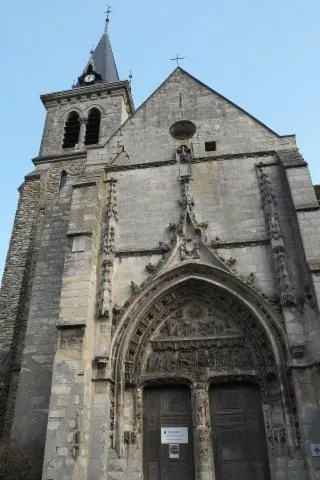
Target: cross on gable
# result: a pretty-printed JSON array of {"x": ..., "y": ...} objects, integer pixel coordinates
[{"x": 177, "y": 58}]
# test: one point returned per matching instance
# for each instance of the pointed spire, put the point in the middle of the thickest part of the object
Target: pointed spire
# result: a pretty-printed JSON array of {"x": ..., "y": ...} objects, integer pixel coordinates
[{"x": 101, "y": 61}]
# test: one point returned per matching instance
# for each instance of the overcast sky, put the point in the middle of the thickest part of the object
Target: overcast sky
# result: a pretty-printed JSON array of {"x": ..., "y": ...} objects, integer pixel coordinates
[{"x": 263, "y": 55}]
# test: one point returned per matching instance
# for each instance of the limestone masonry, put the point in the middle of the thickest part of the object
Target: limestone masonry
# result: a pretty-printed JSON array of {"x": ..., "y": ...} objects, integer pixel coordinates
[{"x": 159, "y": 311}]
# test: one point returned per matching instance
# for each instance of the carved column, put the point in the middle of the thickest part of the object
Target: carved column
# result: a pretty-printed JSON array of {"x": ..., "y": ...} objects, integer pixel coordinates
[
  {"x": 105, "y": 312},
  {"x": 82, "y": 133},
  {"x": 202, "y": 433}
]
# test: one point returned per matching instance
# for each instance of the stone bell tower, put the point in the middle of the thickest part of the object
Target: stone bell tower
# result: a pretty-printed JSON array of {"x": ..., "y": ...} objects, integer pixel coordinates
[{"x": 57, "y": 223}]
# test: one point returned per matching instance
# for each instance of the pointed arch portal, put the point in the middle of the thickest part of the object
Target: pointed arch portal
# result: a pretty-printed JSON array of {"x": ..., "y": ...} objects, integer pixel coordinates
[{"x": 198, "y": 334}]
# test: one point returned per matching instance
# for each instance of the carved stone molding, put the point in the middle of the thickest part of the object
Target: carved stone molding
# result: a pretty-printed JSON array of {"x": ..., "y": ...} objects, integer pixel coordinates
[
  {"x": 108, "y": 249},
  {"x": 276, "y": 435},
  {"x": 287, "y": 295},
  {"x": 186, "y": 200}
]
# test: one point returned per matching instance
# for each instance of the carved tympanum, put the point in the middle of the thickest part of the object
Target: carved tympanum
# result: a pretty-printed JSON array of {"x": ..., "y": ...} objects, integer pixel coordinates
[
  {"x": 194, "y": 330},
  {"x": 199, "y": 321}
]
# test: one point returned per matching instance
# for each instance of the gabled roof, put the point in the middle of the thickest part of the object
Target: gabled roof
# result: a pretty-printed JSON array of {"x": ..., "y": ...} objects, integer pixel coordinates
[
  {"x": 102, "y": 61},
  {"x": 181, "y": 70}
]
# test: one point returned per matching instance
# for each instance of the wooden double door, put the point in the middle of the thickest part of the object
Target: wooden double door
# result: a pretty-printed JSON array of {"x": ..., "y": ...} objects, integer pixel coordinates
[{"x": 238, "y": 437}]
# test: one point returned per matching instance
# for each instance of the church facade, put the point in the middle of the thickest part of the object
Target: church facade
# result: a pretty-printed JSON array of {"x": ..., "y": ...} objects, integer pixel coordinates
[{"x": 159, "y": 313}]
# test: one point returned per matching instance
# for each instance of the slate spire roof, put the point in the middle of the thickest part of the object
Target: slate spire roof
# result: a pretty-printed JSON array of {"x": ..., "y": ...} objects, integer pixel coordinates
[{"x": 102, "y": 61}]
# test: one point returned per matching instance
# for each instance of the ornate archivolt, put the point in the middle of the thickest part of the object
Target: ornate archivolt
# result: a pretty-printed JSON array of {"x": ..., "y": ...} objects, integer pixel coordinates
[
  {"x": 184, "y": 313},
  {"x": 199, "y": 324}
]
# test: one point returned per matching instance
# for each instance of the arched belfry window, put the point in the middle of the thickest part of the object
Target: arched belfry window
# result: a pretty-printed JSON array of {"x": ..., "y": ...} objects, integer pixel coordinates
[
  {"x": 93, "y": 127},
  {"x": 71, "y": 130}
]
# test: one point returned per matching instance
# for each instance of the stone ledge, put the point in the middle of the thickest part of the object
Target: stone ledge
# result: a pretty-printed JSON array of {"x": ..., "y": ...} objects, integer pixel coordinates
[
  {"x": 84, "y": 183},
  {"x": 314, "y": 265},
  {"x": 308, "y": 208},
  {"x": 59, "y": 157},
  {"x": 136, "y": 166},
  {"x": 74, "y": 233},
  {"x": 296, "y": 165},
  {"x": 70, "y": 326},
  {"x": 140, "y": 253},
  {"x": 240, "y": 244}
]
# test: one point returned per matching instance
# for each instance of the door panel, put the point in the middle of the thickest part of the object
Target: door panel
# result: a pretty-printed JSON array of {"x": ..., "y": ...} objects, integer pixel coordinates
[
  {"x": 167, "y": 407},
  {"x": 238, "y": 438}
]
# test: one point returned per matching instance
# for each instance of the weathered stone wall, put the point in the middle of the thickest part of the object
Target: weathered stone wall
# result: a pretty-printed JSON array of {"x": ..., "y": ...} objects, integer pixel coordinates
[
  {"x": 145, "y": 137},
  {"x": 37, "y": 336},
  {"x": 17, "y": 280}
]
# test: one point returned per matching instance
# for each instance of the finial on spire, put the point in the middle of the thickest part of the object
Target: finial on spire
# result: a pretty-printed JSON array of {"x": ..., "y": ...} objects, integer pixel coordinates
[
  {"x": 107, "y": 12},
  {"x": 177, "y": 58},
  {"x": 130, "y": 77}
]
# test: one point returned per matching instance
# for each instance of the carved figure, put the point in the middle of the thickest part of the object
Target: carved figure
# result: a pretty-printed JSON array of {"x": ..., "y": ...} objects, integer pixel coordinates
[
  {"x": 184, "y": 154},
  {"x": 172, "y": 327},
  {"x": 134, "y": 287}
]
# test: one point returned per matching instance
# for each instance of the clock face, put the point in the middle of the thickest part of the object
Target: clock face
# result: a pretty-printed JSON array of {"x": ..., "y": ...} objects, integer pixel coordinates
[{"x": 89, "y": 78}]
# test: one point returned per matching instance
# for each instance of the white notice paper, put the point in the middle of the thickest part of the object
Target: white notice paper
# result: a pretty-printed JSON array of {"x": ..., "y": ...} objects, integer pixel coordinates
[
  {"x": 174, "y": 450},
  {"x": 174, "y": 434}
]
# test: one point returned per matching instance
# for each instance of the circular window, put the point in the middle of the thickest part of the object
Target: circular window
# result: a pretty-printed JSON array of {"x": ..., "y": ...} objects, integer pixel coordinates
[{"x": 182, "y": 129}]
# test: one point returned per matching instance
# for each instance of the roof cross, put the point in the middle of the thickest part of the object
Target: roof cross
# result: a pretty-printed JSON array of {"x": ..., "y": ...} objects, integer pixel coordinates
[
  {"x": 177, "y": 58},
  {"x": 108, "y": 11}
]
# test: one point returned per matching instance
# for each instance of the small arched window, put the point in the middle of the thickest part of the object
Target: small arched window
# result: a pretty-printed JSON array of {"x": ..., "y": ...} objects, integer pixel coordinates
[
  {"x": 71, "y": 130},
  {"x": 63, "y": 179},
  {"x": 93, "y": 127}
]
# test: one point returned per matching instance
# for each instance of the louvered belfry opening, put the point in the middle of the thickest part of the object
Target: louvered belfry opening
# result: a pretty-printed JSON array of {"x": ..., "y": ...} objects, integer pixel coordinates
[
  {"x": 71, "y": 130},
  {"x": 93, "y": 127}
]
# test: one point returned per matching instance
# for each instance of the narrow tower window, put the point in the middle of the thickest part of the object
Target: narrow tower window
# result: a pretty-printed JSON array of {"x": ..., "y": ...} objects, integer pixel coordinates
[
  {"x": 63, "y": 179},
  {"x": 71, "y": 130},
  {"x": 93, "y": 127}
]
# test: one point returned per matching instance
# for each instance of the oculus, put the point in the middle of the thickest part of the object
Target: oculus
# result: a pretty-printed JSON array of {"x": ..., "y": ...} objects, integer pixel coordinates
[{"x": 182, "y": 129}]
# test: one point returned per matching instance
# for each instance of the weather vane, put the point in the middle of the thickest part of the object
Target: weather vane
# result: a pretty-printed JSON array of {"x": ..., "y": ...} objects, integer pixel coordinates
[
  {"x": 107, "y": 12},
  {"x": 177, "y": 58}
]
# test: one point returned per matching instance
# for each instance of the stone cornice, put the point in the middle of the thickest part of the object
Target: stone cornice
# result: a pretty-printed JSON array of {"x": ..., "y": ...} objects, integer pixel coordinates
[
  {"x": 240, "y": 244},
  {"x": 137, "y": 166},
  {"x": 101, "y": 89},
  {"x": 59, "y": 157}
]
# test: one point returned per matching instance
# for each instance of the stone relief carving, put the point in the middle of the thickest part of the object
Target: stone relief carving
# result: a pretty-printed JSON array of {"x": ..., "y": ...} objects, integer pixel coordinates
[
  {"x": 189, "y": 247},
  {"x": 129, "y": 437},
  {"x": 197, "y": 321},
  {"x": 218, "y": 358},
  {"x": 287, "y": 296},
  {"x": 108, "y": 248},
  {"x": 184, "y": 154},
  {"x": 204, "y": 442},
  {"x": 134, "y": 288},
  {"x": 202, "y": 405},
  {"x": 276, "y": 435},
  {"x": 186, "y": 199}
]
